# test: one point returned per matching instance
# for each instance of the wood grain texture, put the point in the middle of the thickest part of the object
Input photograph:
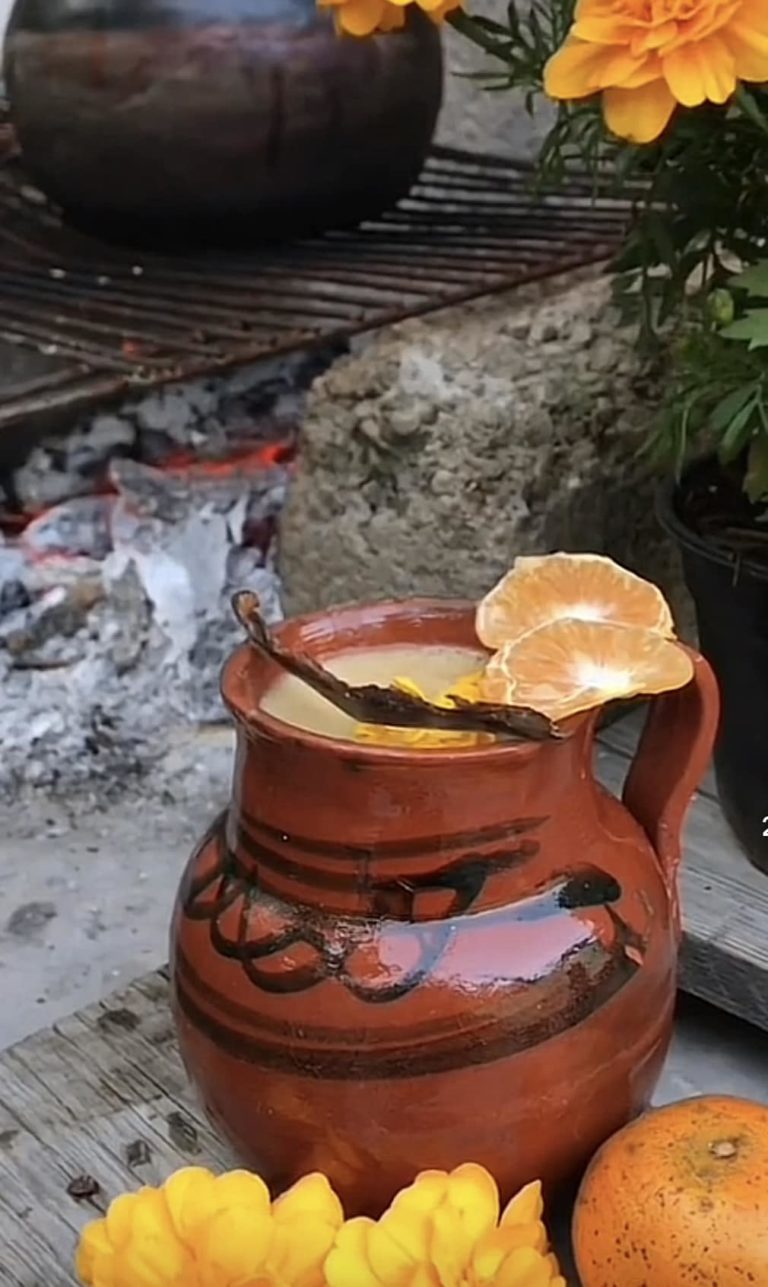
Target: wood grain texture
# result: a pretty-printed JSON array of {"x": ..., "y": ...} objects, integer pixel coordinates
[
  {"x": 104, "y": 1095},
  {"x": 724, "y": 958}
]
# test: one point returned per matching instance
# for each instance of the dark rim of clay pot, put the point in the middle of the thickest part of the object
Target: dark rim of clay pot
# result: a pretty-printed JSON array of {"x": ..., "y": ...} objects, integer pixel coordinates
[
  {"x": 242, "y": 695},
  {"x": 667, "y": 496}
]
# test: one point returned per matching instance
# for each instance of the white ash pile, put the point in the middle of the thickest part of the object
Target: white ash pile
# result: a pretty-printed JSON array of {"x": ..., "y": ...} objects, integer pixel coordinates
[{"x": 124, "y": 540}]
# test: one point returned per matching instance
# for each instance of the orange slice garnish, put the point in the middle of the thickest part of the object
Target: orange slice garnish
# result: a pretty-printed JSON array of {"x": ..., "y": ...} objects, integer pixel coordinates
[
  {"x": 572, "y": 665},
  {"x": 552, "y": 587}
]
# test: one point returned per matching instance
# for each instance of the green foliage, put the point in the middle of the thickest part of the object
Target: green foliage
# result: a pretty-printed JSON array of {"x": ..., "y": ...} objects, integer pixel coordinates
[
  {"x": 700, "y": 199},
  {"x": 718, "y": 396},
  {"x": 523, "y": 46}
]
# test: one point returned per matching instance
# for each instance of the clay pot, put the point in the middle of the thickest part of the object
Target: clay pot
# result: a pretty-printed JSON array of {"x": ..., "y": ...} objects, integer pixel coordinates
[
  {"x": 388, "y": 959},
  {"x": 194, "y": 117}
]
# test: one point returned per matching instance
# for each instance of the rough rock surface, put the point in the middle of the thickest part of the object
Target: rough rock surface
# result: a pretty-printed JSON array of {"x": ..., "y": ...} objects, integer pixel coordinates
[
  {"x": 480, "y": 119},
  {"x": 448, "y": 445}
]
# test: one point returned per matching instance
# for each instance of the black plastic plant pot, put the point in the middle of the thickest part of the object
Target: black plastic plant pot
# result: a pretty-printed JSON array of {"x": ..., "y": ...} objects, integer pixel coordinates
[{"x": 730, "y": 595}]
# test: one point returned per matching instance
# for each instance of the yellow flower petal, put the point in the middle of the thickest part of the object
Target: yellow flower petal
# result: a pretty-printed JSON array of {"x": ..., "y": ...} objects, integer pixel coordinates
[
  {"x": 305, "y": 1222},
  {"x": 649, "y": 70},
  {"x": 347, "y": 1264},
  {"x": 601, "y": 30},
  {"x": 571, "y": 72},
  {"x": 298, "y": 1249},
  {"x": 450, "y": 1246},
  {"x": 153, "y": 1256},
  {"x": 524, "y": 1268},
  {"x": 639, "y": 115},
  {"x": 429, "y": 6},
  {"x": 120, "y": 1217},
  {"x": 188, "y": 1196},
  {"x": 392, "y": 19},
  {"x": 410, "y": 1229},
  {"x": 233, "y": 1247},
  {"x": 424, "y": 1276},
  {"x": 494, "y": 1249},
  {"x": 581, "y": 69},
  {"x": 653, "y": 38},
  {"x": 360, "y": 17},
  {"x": 387, "y": 1249},
  {"x": 473, "y": 1194},
  {"x": 701, "y": 72},
  {"x": 94, "y": 1241},
  {"x": 312, "y": 1194},
  {"x": 748, "y": 45},
  {"x": 525, "y": 1206},
  {"x": 437, "y": 15},
  {"x": 242, "y": 1188}
]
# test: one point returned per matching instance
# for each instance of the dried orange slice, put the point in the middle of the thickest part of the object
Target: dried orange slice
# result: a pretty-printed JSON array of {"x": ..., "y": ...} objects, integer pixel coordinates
[
  {"x": 571, "y": 666},
  {"x": 550, "y": 587}
]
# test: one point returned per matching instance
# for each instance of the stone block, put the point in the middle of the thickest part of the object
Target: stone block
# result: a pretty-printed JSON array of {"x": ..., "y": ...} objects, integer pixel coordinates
[{"x": 448, "y": 445}]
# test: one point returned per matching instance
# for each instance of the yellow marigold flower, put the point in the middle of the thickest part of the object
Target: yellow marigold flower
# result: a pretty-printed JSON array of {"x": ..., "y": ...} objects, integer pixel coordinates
[
  {"x": 467, "y": 688},
  {"x": 200, "y": 1230},
  {"x": 444, "y": 1231},
  {"x": 646, "y": 56},
  {"x": 363, "y": 17}
]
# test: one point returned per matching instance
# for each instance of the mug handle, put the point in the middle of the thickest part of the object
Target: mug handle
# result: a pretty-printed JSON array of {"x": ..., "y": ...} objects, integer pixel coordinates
[{"x": 671, "y": 759}]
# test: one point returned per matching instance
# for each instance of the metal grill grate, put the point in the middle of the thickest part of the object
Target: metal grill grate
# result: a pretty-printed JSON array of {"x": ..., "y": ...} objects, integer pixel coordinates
[{"x": 102, "y": 321}]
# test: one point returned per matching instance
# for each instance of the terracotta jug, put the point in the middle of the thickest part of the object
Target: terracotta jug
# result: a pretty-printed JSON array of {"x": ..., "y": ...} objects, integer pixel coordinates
[{"x": 388, "y": 959}]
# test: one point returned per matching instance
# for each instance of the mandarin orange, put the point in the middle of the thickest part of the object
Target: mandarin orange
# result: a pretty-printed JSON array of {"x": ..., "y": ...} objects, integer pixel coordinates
[
  {"x": 679, "y": 1198},
  {"x": 571, "y": 665},
  {"x": 589, "y": 587}
]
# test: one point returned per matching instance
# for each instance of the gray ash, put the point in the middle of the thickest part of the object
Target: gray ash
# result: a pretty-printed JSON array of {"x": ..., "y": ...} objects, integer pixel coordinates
[{"x": 124, "y": 540}]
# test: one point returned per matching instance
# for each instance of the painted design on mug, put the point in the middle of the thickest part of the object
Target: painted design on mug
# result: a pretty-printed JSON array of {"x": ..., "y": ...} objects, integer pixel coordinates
[{"x": 413, "y": 923}]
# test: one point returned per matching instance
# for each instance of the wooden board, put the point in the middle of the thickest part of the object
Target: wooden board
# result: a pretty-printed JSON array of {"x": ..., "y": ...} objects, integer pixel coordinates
[
  {"x": 724, "y": 958},
  {"x": 104, "y": 1095}
]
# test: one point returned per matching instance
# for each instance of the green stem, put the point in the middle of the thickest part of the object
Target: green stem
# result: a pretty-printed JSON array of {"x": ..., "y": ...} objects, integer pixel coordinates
[
  {"x": 466, "y": 26},
  {"x": 749, "y": 107}
]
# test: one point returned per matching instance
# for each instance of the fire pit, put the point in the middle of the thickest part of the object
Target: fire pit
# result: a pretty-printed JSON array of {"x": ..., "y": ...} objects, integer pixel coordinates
[
  {"x": 122, "y": 541},
  {"x": 149, "y": 423}
]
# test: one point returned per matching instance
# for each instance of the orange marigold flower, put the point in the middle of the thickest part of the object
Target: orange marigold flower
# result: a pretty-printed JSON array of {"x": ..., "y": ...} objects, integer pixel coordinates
[
  {"x": 444, "y": 1231},
  {"x": 202, "y": 1231},
  {"x": 363, "y": 17},
  {"x": 646, "y": 56}
]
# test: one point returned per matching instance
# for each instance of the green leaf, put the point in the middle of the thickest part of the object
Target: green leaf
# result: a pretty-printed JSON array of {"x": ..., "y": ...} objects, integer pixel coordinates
[
  {"x": 729, "y": 407},
  {"x": 753, "y": 327},
  {"x": 754, "y": 280},
  {"x": 756, "y": 480},
  {"x": 750, "y": 107},
  {"x": 659, "y": 233},
  {"x": 738, "y": 433}
]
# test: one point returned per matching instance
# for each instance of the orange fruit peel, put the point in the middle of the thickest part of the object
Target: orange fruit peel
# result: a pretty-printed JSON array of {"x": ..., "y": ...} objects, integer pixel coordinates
[
  {"x": 540, "y": 590},
  {"x": 570, "y": 666}
]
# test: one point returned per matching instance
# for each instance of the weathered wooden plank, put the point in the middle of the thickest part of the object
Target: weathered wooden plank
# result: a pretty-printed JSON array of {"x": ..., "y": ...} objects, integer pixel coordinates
[
  {"x": 102, "y": 1096},
  {"x": 724, "y": 958}
]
